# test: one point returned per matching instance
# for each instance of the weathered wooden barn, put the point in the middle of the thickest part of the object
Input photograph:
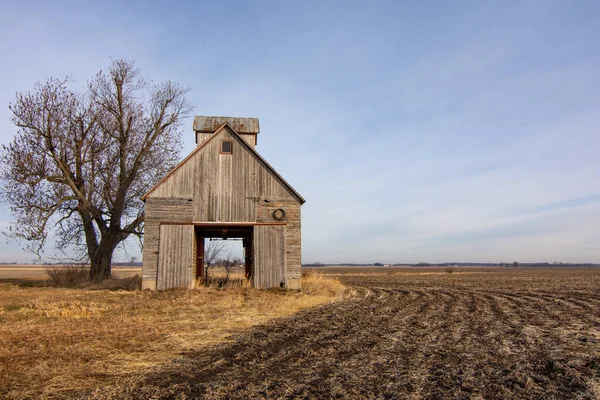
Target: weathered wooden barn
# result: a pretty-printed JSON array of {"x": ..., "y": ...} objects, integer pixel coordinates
[{"x": 223, "y": 189}]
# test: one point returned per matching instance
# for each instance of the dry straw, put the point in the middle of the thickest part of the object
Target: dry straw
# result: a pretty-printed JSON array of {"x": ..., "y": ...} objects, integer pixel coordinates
[{"x": 61, "y": 342}]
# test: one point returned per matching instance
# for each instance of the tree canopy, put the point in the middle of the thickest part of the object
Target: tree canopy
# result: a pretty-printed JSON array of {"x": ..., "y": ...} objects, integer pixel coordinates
[{"x": 80, "y": 161}]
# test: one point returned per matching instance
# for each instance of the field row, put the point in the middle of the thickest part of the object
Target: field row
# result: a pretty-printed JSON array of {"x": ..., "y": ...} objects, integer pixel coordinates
[{"x": 472, "y": 335}]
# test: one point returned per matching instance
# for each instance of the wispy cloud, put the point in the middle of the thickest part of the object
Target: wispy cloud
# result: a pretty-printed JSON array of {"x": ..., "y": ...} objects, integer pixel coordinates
[
  {"x": 416, "y": 131},
  {"x": 553, "y": 207}
]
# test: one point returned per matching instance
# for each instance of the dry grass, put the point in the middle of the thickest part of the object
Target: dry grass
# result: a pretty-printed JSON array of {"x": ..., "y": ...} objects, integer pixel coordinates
[
  {"x": 72, "y": 276},
  {"x": 57, "y": 343},
  {"x": 488, "y": 334},
  {"x": 68, "y": 275},
  {"x": 315, "y": 283},
  {"x": 219, "y": 279}
]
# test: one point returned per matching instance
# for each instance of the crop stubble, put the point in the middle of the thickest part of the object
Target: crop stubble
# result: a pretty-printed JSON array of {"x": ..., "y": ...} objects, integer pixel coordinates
[{"x": 497, "y": 334}]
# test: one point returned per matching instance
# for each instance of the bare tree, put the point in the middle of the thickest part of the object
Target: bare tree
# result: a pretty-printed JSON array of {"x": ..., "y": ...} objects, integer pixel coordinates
[
  {"x": 212, "y": 250},
  {"x": 80, "y": 162},
  {"x": 229, "y": 263}
]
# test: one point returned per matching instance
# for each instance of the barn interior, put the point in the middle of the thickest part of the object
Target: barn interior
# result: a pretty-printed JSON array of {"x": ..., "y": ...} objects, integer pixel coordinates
[{"x": 245, "y": 233}]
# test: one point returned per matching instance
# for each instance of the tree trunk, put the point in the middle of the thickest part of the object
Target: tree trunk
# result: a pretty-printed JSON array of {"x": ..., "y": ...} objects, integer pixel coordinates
[{"x": 101, "y": 264}]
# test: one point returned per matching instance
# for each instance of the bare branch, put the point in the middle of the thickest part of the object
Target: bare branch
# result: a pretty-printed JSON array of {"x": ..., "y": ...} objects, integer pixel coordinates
[{"x": 83, "y": 160}]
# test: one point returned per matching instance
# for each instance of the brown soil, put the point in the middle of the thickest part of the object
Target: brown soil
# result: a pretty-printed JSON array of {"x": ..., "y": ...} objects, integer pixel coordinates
[
  {"x": 496, "y": 334},
  {"x": 60, "y": 343}
]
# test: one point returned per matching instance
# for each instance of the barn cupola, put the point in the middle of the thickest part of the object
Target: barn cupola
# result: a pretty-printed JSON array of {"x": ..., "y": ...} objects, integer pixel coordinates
[{"x": 205, "y": 127}]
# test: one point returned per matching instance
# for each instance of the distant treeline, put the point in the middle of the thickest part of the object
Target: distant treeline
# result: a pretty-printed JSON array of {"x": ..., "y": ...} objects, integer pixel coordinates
[
  {"x": 511, "y": 264},
  {"x": 114, "y": 264},
  {"x": 377, "y": 264},
  {"x": 457, "y": 264}
]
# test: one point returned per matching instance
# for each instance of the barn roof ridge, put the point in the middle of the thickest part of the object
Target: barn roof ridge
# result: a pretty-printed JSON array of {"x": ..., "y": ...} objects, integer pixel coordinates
[
  {"x": 210, "y": 124},
  {"x": 245, "y": 144}
]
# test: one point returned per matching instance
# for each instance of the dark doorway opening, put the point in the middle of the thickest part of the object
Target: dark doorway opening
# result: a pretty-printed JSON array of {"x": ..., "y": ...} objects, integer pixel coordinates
[{"x": 244, "y": 233}]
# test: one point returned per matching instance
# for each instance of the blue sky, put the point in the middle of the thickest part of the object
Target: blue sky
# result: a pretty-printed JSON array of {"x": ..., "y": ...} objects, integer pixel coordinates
[{"x": 417, "y": 131}]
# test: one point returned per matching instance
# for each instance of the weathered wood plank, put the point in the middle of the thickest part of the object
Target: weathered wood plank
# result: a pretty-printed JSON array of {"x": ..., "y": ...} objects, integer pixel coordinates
[
  {"x": 176, "y": 257},
  {"x": 265, "y": 210},
  {"x": 210, "y": 124},
  {"x": 225, "y": 187},
  {"x": 269, "y": 256},
  {"x": 150, "y": 255},
  {"x": 176, "y": 209}
]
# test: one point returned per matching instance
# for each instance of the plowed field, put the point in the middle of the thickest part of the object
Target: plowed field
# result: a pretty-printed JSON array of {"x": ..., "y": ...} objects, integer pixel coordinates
[{"x": 491, "y": 334}]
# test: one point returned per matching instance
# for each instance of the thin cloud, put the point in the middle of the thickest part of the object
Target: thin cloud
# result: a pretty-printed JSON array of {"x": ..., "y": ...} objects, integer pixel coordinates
[{"x": 416, "y": 132}]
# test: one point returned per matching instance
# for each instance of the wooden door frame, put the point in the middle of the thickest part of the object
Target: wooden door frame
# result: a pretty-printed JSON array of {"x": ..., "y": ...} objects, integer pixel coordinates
[
  {"x": 245, "y": 231},
  {"x": 199, "y": 255}
]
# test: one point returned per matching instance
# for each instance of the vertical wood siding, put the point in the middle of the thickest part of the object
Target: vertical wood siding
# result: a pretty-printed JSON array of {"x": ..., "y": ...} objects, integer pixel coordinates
[
  {"x": 202, "y": 137},
  {"x": 225, "y": 187},
  {"x": 150, "y": 256},
  {"x": 264, "y": 214},
  {"x": 214, "y": 187},
  {"x": 269, "y": 256},
  {"x": 175, "y": 257},
  {"x": 194, "y": 257},
  {"x": 158, "y": 210},
  {"x": 250, "y": 139}
]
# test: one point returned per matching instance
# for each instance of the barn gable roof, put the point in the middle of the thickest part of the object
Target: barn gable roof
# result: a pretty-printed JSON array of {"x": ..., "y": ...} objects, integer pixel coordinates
[{"x": 244, "y": 144}]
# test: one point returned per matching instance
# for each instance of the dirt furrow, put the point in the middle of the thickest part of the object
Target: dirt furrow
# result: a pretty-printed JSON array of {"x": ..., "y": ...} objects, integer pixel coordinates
[{"x": 399, "y": 338}]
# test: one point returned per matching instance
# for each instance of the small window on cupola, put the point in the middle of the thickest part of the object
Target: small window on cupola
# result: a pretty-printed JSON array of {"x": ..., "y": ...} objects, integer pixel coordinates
[{"x": 226, "y": 147}]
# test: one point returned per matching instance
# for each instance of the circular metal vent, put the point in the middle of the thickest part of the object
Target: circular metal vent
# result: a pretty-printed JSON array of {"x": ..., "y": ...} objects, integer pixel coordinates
[{"x": 279, "y": 214}]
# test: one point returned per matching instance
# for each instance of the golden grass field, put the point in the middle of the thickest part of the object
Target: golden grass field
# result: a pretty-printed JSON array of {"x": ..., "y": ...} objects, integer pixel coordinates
[
  {"x": 472, "y": 333},
  {"x": 59, "y": 343},
  {"x": 428, "y": 333}
]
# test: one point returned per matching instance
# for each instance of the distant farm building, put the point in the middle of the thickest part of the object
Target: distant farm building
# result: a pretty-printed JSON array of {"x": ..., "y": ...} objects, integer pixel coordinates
[{"x": 223, "y": 189}]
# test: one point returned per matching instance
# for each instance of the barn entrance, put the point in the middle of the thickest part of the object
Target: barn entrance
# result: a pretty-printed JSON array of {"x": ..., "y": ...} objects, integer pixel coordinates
[
  {"x": 181, "y": 253},
  {"x": 243, "y": 233}
]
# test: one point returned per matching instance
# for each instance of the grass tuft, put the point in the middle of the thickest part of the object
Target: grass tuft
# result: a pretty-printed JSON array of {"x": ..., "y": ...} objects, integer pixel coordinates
[
  {"x": 68, "y": 275},
  {"x": 73, "y": 276},
  {"x": 315, "y": 283}
]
